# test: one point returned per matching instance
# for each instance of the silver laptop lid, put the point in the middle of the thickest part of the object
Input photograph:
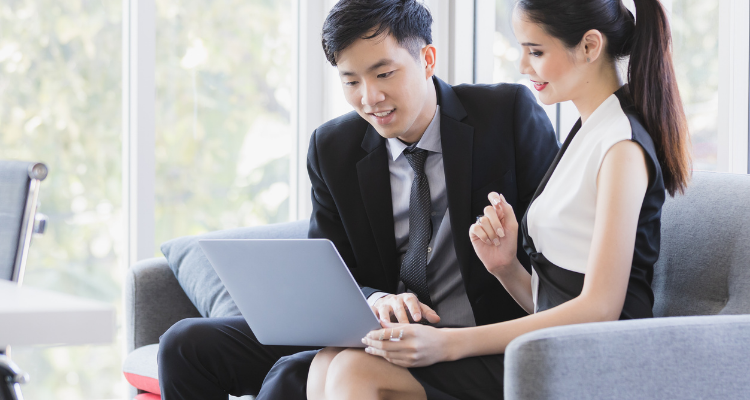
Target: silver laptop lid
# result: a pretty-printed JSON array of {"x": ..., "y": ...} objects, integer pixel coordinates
[{"x": 293, "y": 291}]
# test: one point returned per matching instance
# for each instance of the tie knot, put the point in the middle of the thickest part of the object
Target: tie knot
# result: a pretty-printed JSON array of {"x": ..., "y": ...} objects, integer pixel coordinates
[{"x": 416, "y": 158}]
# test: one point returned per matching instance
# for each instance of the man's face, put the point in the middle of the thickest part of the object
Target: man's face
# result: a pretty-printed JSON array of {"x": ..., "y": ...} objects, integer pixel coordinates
[{"x": 388, "y": 87}]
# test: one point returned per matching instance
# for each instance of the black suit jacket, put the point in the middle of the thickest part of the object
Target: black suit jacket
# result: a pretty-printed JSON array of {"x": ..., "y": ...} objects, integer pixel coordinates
[{"x": 494, "y": 138}]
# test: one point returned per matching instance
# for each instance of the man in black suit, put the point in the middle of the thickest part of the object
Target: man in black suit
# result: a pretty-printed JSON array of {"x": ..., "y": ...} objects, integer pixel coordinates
[{"x": 396, "y": 184}]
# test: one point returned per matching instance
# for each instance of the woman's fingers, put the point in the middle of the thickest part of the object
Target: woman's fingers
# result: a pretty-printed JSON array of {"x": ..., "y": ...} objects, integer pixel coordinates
[
  {"x": 488, "y": 229},
  {"x": 477, "y": 232},
  {"x": 505, "y": 210}
]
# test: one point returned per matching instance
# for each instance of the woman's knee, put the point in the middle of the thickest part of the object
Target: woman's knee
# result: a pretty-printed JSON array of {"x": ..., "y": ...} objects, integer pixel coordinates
[
  {"x": 316, "y": 379},
  {"x": 351, "y": 368}
]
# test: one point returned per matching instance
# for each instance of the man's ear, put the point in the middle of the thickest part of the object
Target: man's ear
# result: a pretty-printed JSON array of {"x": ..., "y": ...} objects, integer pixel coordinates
[
  {"x": 428, "y": 56},
  {"x": 592, "y": 45}
]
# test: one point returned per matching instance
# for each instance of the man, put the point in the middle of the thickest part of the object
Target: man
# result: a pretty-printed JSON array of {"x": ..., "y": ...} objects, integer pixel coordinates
[{"x": 396, "y": 185}]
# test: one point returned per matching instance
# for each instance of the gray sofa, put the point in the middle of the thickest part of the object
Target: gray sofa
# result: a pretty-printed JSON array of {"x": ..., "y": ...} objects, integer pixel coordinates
[{"x": 697, "y": 348}]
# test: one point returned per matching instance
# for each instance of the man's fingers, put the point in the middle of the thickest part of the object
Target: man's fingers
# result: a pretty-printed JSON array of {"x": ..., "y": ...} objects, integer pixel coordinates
[
  {"x": 399, "y": 311},
  {"x": 384, "y": 312},
  {"x": 414, "y": 307},
  {"x": 429, "y": 314}
]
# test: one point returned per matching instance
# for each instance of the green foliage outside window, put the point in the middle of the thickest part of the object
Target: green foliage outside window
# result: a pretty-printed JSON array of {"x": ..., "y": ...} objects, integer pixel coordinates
[{"x": 223, "y": 137}]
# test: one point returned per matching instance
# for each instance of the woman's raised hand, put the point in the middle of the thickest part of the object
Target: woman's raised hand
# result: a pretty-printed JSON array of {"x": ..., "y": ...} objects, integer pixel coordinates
[{"x": 495, "y": 235}]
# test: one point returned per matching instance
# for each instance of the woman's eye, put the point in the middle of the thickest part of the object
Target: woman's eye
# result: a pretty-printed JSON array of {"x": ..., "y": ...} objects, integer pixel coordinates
[
  {"x": 535, "y": 53},
  {"x": 351, "y": 83},
  {"x": 385, "y": 74}
]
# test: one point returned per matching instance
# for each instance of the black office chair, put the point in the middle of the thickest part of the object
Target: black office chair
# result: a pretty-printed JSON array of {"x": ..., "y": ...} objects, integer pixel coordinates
[{"x": 19, "y": 220}]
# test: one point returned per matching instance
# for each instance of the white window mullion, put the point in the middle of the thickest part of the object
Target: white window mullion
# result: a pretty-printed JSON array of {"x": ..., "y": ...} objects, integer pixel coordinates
[
  {"x": 138, "y": 74},
  {"x": 734, "y": 57},
  {"x": 311, "y": 92},
  {"x": 484, "y": 40}
]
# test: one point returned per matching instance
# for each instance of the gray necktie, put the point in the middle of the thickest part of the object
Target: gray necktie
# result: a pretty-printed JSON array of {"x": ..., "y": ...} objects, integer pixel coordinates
[{"x": 414, "y": 266}]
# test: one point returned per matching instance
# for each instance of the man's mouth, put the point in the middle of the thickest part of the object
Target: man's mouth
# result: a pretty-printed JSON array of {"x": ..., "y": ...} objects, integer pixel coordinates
[
  {"x": 383, "y": 117},
  {"x": 382, "y": 114}
]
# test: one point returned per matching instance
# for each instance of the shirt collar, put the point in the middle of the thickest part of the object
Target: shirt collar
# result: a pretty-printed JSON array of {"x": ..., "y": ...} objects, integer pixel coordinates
[{"x": 430, "y": 140}]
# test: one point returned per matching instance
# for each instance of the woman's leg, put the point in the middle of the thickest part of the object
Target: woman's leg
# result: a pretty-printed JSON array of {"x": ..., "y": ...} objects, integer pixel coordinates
[
  {"x": 354, "y": 374},
  {"x": 316, "y": 378}
]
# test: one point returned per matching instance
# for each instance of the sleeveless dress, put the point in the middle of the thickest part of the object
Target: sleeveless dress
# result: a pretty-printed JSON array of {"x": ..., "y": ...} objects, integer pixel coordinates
[
  {"x": 559, "y": 224},
  {"x": 557, "y": 231}
]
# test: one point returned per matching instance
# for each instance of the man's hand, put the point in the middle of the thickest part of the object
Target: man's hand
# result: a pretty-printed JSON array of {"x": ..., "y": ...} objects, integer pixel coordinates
[{"x": 402, "y": 306}]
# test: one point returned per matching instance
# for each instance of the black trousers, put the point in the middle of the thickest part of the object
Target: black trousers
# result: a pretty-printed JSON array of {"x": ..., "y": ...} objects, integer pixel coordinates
[{"x": 209, "y": 358}]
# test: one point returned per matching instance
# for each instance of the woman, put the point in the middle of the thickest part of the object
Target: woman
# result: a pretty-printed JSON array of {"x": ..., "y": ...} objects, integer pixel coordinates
[{"x": 592, "y": 230}]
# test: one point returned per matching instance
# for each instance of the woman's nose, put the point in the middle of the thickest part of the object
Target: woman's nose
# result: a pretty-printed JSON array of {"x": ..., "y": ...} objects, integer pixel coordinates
[{"x": 524, "y": 66}]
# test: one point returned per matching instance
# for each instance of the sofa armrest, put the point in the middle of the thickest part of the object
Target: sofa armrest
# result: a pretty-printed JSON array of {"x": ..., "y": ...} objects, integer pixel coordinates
[
  {"x": 659, "y": 358},
  {"x": 154, "y": 301}
]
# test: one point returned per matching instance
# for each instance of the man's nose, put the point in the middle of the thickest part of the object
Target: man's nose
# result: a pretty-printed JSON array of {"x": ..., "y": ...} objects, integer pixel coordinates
[{"x": 371, "y": 95}]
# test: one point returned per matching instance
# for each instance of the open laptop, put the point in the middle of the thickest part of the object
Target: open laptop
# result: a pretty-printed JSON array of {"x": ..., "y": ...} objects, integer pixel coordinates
[{"x": 293, "y": 291}]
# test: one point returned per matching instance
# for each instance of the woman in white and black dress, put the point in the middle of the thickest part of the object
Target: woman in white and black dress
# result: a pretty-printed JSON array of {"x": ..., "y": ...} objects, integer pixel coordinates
[{"x": 592, "y": 230}]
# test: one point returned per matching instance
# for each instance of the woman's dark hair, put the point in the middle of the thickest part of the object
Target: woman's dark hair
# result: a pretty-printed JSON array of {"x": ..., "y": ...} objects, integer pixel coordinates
[
  {"x": 408, "y": 21},
  {"x": 652, "y": 83}
]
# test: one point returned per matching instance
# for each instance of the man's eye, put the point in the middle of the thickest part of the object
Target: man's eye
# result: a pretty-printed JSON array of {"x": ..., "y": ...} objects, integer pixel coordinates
[
  {"x": 350, "y": 83},
  {"x": 385, "y": 74}
]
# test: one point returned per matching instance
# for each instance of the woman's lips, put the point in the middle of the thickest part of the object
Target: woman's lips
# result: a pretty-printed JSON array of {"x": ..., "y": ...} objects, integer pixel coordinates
[{"x": 540, "y": 85}]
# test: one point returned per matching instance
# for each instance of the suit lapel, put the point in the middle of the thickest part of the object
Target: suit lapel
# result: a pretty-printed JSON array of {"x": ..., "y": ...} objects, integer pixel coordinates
[
  {"x": 375, "y": 186},
  {"x": 457, "y": 139}
]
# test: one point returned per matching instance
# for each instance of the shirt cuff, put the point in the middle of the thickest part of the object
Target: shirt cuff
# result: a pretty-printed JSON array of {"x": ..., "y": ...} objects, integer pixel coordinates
[{"x": 375, "y": 297}]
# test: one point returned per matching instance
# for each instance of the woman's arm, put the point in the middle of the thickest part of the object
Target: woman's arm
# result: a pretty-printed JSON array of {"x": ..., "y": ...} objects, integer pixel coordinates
[
  {"x": 494, "y": 238},
  {"x": 621, "y": 186}
]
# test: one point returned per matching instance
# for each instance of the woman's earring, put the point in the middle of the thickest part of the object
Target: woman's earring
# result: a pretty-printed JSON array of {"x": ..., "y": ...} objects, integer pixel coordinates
[{"x": 588, "y": 60}]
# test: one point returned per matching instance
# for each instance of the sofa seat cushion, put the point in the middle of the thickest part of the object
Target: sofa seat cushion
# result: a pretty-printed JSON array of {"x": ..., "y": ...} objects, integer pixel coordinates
[
  {"x": 198, "y": 278},
  {"x": 147, "y": 396},
  {"x": 141, "y": 370}
]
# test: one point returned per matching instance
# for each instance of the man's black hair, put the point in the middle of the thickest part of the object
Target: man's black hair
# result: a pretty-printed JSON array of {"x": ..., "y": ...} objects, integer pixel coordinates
[{"x": 408, "y": 21}]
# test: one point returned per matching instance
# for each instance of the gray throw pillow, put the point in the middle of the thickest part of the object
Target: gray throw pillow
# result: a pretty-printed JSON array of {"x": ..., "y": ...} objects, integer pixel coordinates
[{"x": 198, "y": 278}]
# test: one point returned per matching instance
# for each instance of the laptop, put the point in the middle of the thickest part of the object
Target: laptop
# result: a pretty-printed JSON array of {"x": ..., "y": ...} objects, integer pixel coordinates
[{"x": 295, "y": 292}]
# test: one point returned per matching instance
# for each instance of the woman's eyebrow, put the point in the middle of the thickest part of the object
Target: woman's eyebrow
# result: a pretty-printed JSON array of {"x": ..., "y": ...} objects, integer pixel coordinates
[{"x": 528, "y": 44}]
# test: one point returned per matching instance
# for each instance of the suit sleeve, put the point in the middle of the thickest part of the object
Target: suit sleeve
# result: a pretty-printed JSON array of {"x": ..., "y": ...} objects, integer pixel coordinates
[
  {"x": 325, "y": 221},
  {"x": 535, "y": 148}
]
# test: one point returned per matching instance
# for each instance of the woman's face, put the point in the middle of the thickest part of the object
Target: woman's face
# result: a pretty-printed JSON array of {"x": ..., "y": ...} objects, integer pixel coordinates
[{"x": 553, "y": 68}]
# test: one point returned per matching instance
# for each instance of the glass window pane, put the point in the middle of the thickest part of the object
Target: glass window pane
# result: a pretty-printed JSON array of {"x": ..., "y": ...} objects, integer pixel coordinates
[
  {"x": 60, "y": 103},
  {"x": 224, "y": 101},
  {"x": 507, "y": 56},
  {"x": 695, "y": 33}
]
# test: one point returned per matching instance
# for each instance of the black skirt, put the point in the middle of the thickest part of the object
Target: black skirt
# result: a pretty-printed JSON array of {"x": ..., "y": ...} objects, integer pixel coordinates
[{"x": 473, "y": 378}]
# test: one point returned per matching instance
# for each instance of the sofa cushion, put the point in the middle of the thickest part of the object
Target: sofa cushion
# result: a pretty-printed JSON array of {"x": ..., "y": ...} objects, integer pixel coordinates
[
  {"x": 703, "y": 266},
  {"x": 147, "y": 396},
  {"x": 140, "y": 368},
  {"x": 198, "y": 278}
]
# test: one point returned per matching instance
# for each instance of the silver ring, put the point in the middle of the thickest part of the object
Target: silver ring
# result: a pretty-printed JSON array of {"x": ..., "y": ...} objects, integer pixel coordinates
[
  {"x": 478, "y": 218},
  {"x": 392, "y": 338}
]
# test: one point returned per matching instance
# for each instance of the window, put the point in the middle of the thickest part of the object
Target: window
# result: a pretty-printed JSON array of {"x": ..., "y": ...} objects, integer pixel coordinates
[
  {"x": 60, "y": 103},
  {"x": 506, "y": 54},
  {"x": 695, "y": 33},
  {"x": 224, "y": 107}
]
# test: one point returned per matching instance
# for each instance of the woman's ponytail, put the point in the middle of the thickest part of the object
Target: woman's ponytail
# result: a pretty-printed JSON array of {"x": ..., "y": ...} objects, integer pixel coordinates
[
  {"x": 651, "y": 79},
  {"x": 653, "y": 88}
]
